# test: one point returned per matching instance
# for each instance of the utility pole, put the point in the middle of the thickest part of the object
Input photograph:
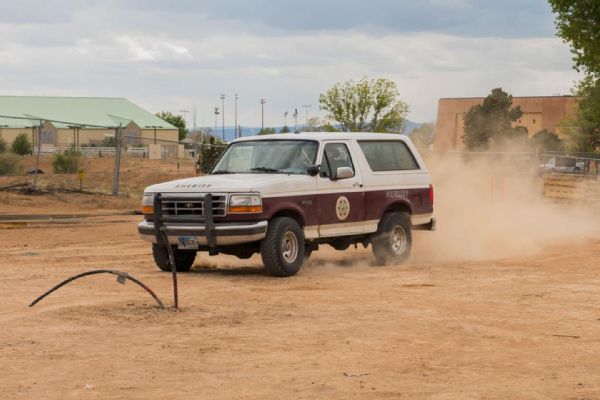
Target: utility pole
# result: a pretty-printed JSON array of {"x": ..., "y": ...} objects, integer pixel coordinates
[
  {"x": 262, "y": 113},
  {"x": 223, "y": 113},
  {"x": 285, "y": 114},
  {"x": 306, "y": 107},
  {"x": 236, "y": 124}
]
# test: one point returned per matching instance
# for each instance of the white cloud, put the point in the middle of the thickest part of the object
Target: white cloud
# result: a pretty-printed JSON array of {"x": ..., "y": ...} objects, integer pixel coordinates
[{"x": 188, "y": 63}]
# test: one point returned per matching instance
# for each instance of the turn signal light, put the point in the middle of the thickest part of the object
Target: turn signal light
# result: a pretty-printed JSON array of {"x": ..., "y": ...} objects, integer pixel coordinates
[
  {"x": 148, "y": 209},
  {"x": 245, "y": 209}
]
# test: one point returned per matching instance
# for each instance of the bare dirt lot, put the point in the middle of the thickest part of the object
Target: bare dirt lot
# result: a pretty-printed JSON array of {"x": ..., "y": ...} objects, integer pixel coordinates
[{"x": 501, "y": 302}]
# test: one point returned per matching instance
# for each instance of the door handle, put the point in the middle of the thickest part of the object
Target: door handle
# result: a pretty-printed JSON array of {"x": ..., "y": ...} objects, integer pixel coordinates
[{"x": 357, "y": 184}]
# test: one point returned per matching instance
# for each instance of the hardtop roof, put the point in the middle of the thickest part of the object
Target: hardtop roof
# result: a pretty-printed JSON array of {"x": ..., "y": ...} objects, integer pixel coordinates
[{"x": 321, "y": 136}]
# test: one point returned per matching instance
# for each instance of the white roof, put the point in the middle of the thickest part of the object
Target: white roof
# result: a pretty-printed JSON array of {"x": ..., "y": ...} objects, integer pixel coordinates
[{"x": 325, "y": 136}]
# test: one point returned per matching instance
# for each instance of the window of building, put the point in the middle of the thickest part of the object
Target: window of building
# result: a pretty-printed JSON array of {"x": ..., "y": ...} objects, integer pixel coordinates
[{"x": 388, "y": 155}]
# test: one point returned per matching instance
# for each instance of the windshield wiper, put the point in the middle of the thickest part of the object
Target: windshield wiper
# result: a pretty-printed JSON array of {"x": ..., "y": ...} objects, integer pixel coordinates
[
  {"x": 267, "y": 169},
  {"x": 222, "y": 171}
]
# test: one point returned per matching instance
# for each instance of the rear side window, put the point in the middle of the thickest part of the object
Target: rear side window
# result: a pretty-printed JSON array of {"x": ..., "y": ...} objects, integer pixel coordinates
[{"x": 388, "y": 155}]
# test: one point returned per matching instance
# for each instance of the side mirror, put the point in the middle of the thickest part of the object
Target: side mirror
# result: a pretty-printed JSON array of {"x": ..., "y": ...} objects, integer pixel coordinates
[
  {"x": 343, "y": 173},
  {"x": 313, "y": 170}
]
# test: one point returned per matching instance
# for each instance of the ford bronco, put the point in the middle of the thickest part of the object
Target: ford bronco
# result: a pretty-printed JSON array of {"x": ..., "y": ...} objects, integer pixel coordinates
[{"x": 283, "y": 195}]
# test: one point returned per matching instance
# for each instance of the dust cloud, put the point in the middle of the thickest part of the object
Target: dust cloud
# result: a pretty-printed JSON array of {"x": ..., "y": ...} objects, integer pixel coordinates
[{"x": 493, "y": 207}]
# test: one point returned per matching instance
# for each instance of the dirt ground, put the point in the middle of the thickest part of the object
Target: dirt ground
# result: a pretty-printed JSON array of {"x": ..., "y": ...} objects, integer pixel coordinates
[{"x": 502, "y": 302}]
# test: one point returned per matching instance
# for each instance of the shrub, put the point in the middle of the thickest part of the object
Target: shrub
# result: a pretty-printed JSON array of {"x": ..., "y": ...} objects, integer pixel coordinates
[
  {"x": 2, "y": 146},
  {"x": 21, "y": 145},
  {"x": 209, "y": 154},
  {"x": 10, "y": 164},
  {"x": 67, "y": 163}
]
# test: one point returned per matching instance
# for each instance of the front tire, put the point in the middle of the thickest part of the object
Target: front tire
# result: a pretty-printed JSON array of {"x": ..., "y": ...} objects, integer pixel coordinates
[
  {"x": 184, "y": 259},
  {"x": 282, "y": 249},
  {"x": 393, "y": 241}
]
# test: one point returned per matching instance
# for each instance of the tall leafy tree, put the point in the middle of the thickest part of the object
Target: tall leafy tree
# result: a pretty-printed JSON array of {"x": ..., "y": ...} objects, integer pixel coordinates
[
  {"x": 545, "y": 140},
  {"x": 491, "y": 123},
  {"x": 175, "y": 120},
  {"x": 578, "y": 24},
  {"x": 365, "y": 105},
  {"x": 422, "y": 136}
]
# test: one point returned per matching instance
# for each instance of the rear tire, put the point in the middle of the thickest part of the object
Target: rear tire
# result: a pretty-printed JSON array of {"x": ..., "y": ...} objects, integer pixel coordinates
[
  {"x": 282, "y": 250},
  {"x": 393, "y": 241},
  {"x": 184, "y": 259}
]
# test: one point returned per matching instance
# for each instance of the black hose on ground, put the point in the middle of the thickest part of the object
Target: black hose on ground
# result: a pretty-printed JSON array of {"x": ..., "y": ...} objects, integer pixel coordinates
[{"x": 121, "y": 277}]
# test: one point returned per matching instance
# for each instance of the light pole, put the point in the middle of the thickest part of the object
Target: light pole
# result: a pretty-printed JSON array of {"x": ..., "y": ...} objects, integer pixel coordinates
[
  {"x": 184, "y": 115},
  {"x": 223, "y": 113},
  {"x": 216, "y": 115},
  {"x": 262, "y": 113},
  {"x": 236, "y": 123},
  {"x": 295, "y": 119},
  {"x": 285, "y": 114},
  {"x": 307, "y": 106}
]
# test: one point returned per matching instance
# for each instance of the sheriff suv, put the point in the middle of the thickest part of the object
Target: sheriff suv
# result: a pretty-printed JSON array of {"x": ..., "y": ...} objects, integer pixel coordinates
[{"x": 284, "y": 195}]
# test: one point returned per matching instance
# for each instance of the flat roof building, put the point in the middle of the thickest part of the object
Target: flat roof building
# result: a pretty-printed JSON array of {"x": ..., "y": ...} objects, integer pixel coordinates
[{"x": 539, "y": 112}]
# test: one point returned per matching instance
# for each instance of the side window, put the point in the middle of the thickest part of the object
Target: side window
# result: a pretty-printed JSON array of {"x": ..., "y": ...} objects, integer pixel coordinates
[
  {"x": 388, "y": 155},
  {"x": 335, "y": 155}
]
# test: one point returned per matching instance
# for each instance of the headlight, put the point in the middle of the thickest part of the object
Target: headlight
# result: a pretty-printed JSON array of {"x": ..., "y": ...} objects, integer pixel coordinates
[
  {"x": 245, "y": 203},
  {"x": 148, "y": 204}
]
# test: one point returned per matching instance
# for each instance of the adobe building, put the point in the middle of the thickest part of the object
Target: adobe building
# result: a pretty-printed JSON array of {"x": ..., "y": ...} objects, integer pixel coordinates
[
  {"x": 539, "y": 112},
  {"x": 84, "y": 121}
]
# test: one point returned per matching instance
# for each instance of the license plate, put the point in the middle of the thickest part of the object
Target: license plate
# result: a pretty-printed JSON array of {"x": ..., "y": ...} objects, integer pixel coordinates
[{"x": 187, "y": 243}]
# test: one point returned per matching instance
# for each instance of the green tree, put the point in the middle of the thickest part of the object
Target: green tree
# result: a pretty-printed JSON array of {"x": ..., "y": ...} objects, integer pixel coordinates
[
  {"x": 285, "y": 129},
  {"x": 545, "y": 140},
  {"x": 422, "y": 136},
  {"x": 21, "y": 145},
  {"x": 175, "y": 120},
  {"x": 367, "y": 105},
  {"x": 209, "y": 153},
  {"x": 490, "y": 123},
  {"x": 2, "y": 146},
  {"x": 266, "y": 131},
  {"x": 578, "y": 24},
  {"x": 583, "y": 128}
]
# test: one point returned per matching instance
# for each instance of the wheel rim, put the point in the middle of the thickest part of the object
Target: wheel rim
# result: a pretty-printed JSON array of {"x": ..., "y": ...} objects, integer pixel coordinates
[
  {"x": 398, "y": 239},
  {"x": 289, "y": 247}
]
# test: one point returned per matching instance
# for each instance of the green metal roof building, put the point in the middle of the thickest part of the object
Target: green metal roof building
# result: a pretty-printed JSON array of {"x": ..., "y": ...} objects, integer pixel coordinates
[{"x": 81, "y": 121}]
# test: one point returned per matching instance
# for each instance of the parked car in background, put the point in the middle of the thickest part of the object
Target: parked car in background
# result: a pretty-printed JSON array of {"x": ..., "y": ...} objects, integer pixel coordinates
[{"x": 568, "y": 165}]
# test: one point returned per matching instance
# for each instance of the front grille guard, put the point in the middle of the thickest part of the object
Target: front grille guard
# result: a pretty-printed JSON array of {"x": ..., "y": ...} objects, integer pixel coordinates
[{"x": 207, "y": 217}]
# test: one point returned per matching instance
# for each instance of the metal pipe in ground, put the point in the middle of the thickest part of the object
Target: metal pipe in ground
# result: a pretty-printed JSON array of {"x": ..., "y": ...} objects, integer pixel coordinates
[
  {"x": 121, "y": 277},
  {"x": 162, "y": 239}
]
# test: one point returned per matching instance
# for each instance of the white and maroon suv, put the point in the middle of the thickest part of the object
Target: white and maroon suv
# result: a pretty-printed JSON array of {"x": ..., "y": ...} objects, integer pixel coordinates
[{"x": 284, "y": 195}]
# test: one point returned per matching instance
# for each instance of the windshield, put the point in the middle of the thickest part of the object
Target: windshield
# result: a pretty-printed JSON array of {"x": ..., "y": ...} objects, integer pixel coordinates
[{"x": 268, "y": 157}]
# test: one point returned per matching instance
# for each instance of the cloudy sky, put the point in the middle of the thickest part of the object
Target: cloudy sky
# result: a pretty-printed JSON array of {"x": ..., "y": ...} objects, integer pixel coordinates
[{"x": 172, "y": 55}]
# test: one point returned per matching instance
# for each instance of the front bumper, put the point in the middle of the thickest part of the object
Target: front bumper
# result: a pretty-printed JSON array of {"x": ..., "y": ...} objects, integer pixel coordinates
[{"x": 225, "y": 233}]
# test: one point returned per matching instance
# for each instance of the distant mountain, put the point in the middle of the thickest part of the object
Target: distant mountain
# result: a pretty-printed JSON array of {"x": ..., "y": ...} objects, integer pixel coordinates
[{"x": 251, "y": 131}]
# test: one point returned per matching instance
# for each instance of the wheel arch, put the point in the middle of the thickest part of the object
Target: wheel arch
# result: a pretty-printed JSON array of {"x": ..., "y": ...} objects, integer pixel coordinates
[
  {"x": 397, "y": 206},
  {"x": 290, "y": 213}
]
